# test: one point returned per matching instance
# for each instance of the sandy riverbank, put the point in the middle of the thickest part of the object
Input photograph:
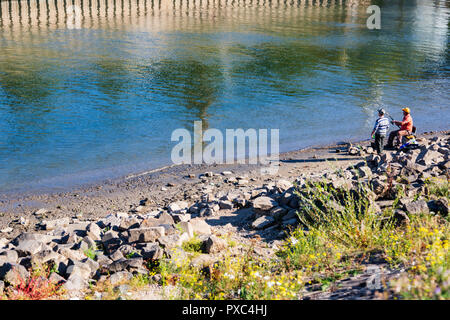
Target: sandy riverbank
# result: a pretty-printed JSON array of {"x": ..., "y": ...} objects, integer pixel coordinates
[{"x": 166, "y": 185}]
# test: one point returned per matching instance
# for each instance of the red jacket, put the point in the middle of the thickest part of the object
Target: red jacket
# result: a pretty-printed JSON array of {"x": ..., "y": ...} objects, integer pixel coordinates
[{"x": 407, "y": 123}]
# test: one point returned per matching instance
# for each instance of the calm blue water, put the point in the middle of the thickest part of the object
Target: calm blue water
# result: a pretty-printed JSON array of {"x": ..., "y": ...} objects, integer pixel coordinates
[{"x": 100, "y": 98}]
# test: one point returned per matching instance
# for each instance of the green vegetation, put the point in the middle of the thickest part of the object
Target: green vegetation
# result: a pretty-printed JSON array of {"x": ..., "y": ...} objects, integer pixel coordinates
[
  {"x": 37, "y": 286},
  {"x": 340, "y": 229},
  {"x": 90, "y": 253},
  {"x": 193, "y": 245}
]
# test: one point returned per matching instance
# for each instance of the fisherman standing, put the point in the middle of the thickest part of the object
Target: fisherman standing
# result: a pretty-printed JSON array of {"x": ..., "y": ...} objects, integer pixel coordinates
[
  {"x": 406, "y": 128},
  {"x": 380, "y": 130}
]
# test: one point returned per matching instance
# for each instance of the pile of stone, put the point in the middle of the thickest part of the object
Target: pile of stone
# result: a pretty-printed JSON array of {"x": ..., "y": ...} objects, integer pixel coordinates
[
  {"x": 394, "y": 172},
  {"x": 113, "y": 248},
  {"x": 122, "y": 244}
]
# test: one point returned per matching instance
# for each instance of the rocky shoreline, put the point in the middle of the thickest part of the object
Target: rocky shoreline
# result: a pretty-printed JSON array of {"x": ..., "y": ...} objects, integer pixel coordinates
[{"x": 158, "y": 213}]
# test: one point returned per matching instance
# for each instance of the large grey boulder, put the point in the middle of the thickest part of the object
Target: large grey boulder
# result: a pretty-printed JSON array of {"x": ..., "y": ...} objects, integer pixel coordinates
[
  {"x": 9, "y": 256},
  {"x": 129, "y": 223},
  {"x": 263, "y": 222},
  {"x": 69, "y": 253},
  {"x": 165, "y": 218},
  {"x": 54, "y": 224},
  {"x": 215, "y": 244},
  {"x": 93, "y": 231},
  {"x": 225, "y": 205},
  {"x": 170, "y": 241},
  {"x": 43, "y": 238},
  {"x": 145, "y": 234},
  {"x": 430, "y": 157},
  {"x": 264, "y": 203},
  {"x": 29, "y": 247},
  {"x": 200, "y": 226},
  {"x": 187, "y": 227},
  {"x": 177, "y": 206},
  {"x": 416, "y": 207},
  {"x": 119, "y": 277},
  {"x": 13, "y": 273},
  {"x": 151, "y": 251},
  {"x": 75, "y": 283},
  {"x": 440, "y": 206},
  {"x": 283, "y": 185},
  {"x": 125, "y": 264}
]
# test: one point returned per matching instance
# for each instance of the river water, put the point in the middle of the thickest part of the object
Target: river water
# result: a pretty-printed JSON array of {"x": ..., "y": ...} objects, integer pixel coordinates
[{"x": 96, "y": 91}]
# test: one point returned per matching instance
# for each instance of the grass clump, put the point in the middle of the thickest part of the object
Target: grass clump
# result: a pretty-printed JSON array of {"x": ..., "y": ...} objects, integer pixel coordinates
[
  {"x": 437, "y": 187},
  {"x": 37, "y": 286},
  {"x": 343, "y": 217},
  {"x": 90, "y": 253},
  {"x": 233, "y": 277},
  {"x": 423, "y": 247},
  {"x": 193, "y": 245},
  {"x": 338, "y": 225}
]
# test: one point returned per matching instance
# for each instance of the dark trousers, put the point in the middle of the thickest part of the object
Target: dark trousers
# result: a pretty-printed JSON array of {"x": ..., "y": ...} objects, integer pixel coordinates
[
  {"x": 379, "y": 142},
  {"x": 395, "y": 137}
]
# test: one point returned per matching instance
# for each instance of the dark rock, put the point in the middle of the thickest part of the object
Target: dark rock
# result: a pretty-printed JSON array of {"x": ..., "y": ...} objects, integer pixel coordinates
[
  {"x": 13, "y": 273},
  {"x": 225, "y": 205},
  {"x": 278, "y": 212},
  {"x": 28, "y": 247},
  {"x": 111, "y": 241},
  {"x": 152, "y": 251},
  {"x": 116, "y": 256},
  {"x": 378, "y": 186},
  {"x": 263, "y": 222},
  {"x": 415, "y": 207},
  {"x": 440, "y": 206},
  {"x": 129, "y": 223},
  {"x": 145, "y": 234},
  {"x": 400, "y": 217}
]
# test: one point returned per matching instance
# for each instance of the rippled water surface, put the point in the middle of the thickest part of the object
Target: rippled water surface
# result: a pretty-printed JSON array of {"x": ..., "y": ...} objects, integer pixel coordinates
[{"x": 99, "y": 95}]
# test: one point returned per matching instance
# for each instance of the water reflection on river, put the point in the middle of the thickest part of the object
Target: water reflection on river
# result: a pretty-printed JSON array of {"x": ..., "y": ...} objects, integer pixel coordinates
[{"x": 97, "y": 91}]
